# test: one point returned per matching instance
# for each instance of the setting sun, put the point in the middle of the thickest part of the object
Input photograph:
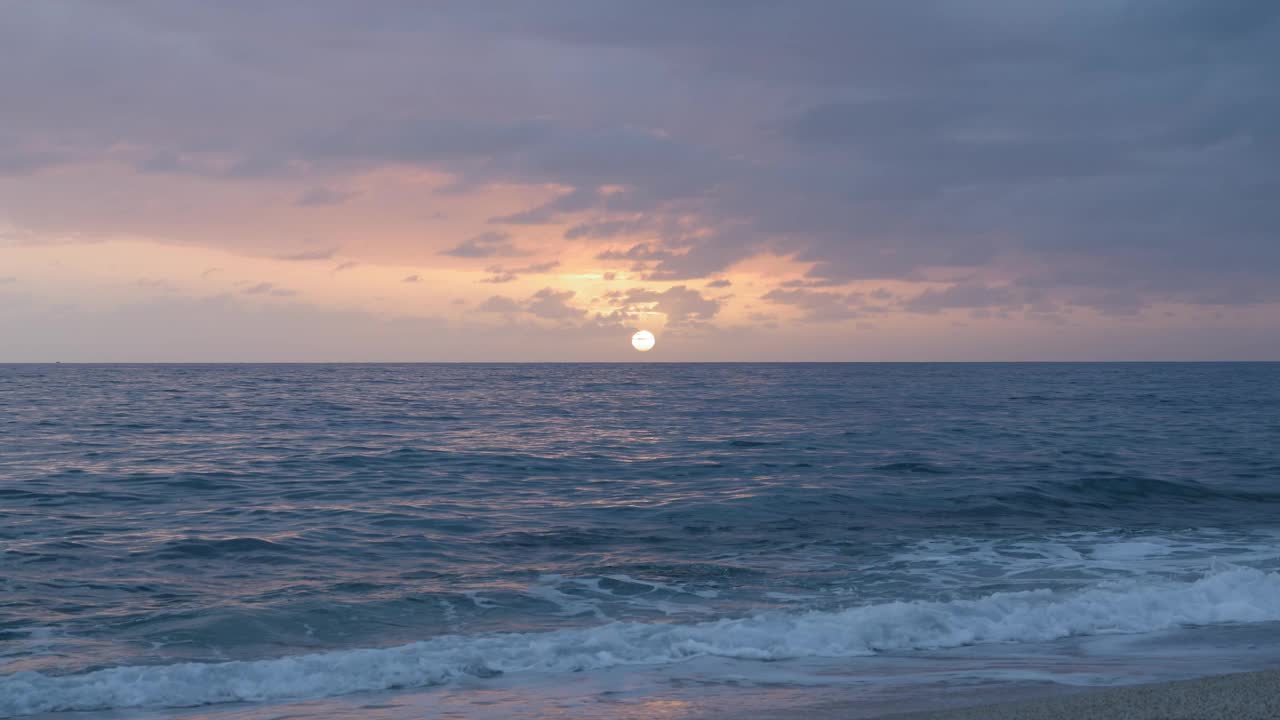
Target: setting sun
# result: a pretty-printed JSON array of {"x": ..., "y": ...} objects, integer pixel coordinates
[{"x": 643, "y": 341}]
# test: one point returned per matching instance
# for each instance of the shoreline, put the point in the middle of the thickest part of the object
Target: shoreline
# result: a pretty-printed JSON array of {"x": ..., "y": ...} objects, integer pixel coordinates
[
  {"x": 1237, "y": 696},
  {"x": 1253, "y": 695}
]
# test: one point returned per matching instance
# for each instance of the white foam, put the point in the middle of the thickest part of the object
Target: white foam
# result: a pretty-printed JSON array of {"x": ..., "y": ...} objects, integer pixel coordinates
[
  {"x": 547, "y": 589},
  {"x": 582, "y": 596},
  {"x": 953, "y": 565},
  {"x": 1231, "y": 595}
]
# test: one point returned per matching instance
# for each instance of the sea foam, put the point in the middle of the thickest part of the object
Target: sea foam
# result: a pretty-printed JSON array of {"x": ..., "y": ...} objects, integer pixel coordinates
[{"x": 1230, "y": 595}]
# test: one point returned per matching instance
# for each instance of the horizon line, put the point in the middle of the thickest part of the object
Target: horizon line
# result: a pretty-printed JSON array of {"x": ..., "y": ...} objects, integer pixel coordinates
[{"x": 632, "y": 362}]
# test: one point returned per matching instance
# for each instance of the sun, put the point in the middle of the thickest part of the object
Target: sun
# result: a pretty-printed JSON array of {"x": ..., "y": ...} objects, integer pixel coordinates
[{"x": 643, "y": 341}]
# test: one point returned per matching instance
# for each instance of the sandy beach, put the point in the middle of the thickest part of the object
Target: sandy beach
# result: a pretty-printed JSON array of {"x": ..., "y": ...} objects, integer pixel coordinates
[{"x": 1242, "y": 696}]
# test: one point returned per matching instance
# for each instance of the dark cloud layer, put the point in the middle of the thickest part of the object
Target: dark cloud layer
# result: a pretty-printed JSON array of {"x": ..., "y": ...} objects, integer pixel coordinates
[{"x": 1106, "y": 153}]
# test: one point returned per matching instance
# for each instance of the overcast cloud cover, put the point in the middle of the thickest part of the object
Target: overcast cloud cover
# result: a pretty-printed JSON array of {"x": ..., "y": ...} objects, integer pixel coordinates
[{"x": 940, "y": 179}]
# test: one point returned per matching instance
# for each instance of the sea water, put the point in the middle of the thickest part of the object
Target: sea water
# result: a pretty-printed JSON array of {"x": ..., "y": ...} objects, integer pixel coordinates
[{"x": 251, "y": 541}]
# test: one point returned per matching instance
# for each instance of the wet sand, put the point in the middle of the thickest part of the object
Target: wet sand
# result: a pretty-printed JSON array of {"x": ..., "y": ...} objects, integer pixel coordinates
[{"x": 1242, "y": 696}]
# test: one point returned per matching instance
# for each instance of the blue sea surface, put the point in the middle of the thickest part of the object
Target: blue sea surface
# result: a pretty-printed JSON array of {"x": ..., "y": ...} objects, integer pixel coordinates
[{"x": 265, "y": 535}]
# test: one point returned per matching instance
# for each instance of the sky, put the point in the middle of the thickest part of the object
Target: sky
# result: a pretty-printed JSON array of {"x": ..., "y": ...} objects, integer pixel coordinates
[{"x": 325, "y": 180}]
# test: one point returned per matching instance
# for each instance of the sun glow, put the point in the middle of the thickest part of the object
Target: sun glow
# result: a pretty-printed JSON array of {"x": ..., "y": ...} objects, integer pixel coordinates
[{"x": 643, "y": 341}]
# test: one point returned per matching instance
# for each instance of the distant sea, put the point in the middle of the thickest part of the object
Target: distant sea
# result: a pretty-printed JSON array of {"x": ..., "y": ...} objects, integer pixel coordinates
[{"x": 616, "y": 540}]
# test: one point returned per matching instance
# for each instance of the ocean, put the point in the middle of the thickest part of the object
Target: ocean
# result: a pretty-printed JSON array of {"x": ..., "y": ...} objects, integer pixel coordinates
[{"x": 626, "y": 540}]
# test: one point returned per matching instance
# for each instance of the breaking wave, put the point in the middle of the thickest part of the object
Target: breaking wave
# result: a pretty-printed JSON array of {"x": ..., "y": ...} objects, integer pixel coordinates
[{"x": 1233, "y": 595}]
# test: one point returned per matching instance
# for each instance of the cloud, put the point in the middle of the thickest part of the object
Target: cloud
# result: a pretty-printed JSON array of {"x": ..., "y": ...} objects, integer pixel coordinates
[
  {"x": 720, "y": 283},
  {"x": 821, "y": 306},
  {"x": 979, "y": 298},
  {"x": 966, "y": 295},
  {"x": 1114, "y": 303},
  {"x": 1106, "y": 155},
  {"x": 305, "y": 255},
  {"x": 547, "y": 303},
  {"x": 812, "y": 283},
  {"x": 600, "y": 229},
  {"x": 502, "y": 274},
  {"x": 412, "y": 279},
  {"x": 639, "y": 253},
  {"x": 346, "y": 265},
  {"x": 681, "y": 305},
  {"x": 961, "y": 150},
  {"x": 485, "y": 245},
  {"x": 554, "y": 305},
  {"x": 266, "y": 288},
  {"x": 499, "y": 304}
]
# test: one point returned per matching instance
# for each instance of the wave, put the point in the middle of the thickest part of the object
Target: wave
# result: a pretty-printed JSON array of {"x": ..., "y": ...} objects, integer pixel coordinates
[
  {"x": 1123, "y": 487},
  {"x": 1105, "y": 493},
  {"x": 1226, "y": 596}
]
